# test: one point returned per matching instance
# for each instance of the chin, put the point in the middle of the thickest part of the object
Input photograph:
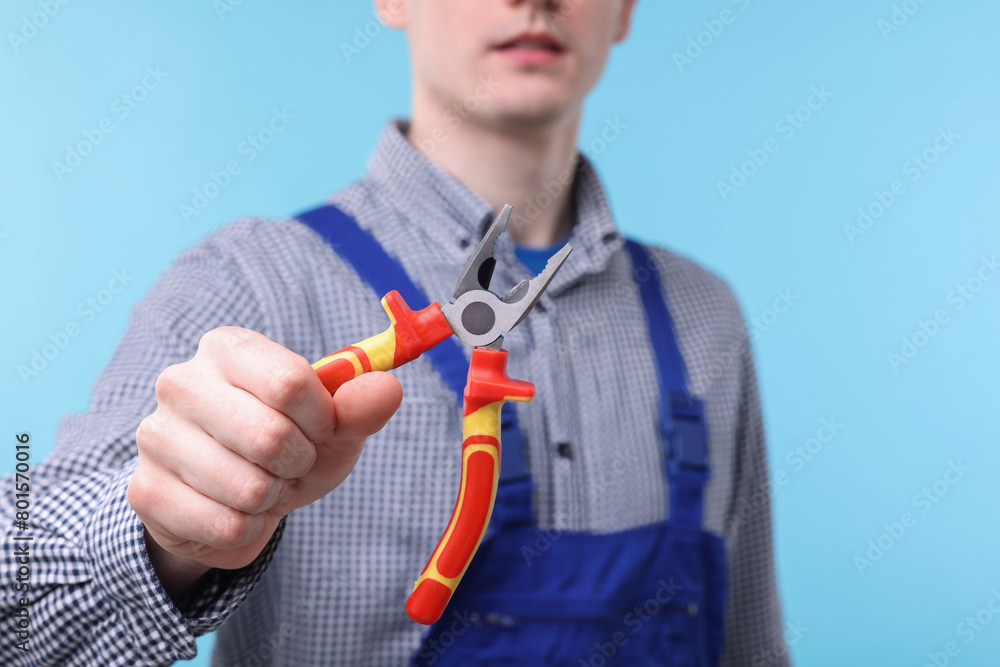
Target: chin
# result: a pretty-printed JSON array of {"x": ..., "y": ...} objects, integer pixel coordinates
[
  {"x": 527, "y": 112},
  {"x": 534, "y": 120}
]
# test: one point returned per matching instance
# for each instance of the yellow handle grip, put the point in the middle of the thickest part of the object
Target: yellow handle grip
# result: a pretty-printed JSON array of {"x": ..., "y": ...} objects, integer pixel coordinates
[
  {"x": 487, "y": 389},
  {"x": 410, "y": 334}
]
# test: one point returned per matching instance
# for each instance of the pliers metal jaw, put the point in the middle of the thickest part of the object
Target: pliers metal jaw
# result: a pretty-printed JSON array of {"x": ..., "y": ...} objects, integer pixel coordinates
[{"x": 480, "y": 318}]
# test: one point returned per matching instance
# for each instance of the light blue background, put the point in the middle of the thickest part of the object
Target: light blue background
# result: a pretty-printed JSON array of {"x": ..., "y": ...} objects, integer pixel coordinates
[{"x": 825, "y": 357}]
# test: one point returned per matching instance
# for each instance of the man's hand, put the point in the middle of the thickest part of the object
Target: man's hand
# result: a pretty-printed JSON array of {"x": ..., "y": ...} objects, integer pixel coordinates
[{"x": 243, "y": 434}]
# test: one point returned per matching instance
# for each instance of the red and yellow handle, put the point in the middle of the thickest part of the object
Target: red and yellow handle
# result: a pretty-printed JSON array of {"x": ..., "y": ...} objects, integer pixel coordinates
[
  {"x": 487, "y": 389},
  {"x": 410, "y": 334}
]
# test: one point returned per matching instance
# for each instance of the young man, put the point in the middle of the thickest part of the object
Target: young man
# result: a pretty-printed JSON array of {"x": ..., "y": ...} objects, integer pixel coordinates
[{"x": 209, "y": 481}]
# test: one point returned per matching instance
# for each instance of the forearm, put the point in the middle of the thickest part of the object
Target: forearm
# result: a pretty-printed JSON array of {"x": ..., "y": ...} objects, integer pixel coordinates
[
  {"x": 91, "y": 596},
  {"x": 96, "y": 596}
]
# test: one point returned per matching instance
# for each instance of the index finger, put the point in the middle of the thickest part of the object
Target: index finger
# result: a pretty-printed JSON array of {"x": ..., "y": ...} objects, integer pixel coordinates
[{"x": 276, "y": 376}]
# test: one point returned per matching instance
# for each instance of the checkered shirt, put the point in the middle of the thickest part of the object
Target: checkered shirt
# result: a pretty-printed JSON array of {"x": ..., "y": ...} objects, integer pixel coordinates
[{"x": 330, "y": 586}]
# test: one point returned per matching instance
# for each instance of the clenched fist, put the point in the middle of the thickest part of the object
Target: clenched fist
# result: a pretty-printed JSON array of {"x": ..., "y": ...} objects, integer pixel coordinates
[{"x": 243, "y": 434}]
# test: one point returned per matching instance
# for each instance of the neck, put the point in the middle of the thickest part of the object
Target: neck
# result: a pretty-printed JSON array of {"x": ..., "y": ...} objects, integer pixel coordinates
[{"x": 531, "y": 168}]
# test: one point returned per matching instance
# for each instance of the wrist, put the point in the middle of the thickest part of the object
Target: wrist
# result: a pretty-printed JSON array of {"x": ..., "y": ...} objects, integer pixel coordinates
[{"x": 177, "y": 574}]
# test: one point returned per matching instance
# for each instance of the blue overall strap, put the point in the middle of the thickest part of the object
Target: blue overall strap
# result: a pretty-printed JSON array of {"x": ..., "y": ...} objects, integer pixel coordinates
[
  {"x": 682, "y": 415},
  {"x": 383, "y": 273}
]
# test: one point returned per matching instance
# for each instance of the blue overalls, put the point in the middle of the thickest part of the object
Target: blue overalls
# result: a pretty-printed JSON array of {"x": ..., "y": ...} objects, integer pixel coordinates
[{"x": 652, "y": 595}]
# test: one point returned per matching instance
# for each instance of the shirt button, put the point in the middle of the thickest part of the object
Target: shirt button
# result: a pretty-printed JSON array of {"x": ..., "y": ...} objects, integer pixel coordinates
[{"x": 565, "y": 450}]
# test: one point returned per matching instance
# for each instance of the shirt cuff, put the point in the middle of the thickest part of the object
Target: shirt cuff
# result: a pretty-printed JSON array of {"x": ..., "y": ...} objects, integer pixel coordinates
[{"x": 116, "y": 545}]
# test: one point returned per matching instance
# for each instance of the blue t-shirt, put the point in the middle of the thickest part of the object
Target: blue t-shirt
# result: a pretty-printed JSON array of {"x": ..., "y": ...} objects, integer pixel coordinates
[{"x": 535, "y": 258}]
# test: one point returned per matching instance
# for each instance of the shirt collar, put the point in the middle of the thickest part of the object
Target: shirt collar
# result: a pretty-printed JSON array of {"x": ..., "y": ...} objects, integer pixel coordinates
[{"x": 456, "y": 217}]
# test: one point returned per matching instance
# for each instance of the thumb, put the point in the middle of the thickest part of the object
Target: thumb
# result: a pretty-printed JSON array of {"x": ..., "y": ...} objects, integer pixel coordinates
[{"x": 363, "y": 406}]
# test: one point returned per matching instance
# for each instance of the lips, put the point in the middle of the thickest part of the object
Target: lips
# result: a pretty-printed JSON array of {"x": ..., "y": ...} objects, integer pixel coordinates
[
  {"x": 532, "y": 48},
  {"x": 535, "y": 40}
]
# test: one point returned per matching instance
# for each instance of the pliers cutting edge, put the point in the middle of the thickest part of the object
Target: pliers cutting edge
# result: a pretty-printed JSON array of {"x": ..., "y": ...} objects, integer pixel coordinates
[{"x": 479, "y": 318}]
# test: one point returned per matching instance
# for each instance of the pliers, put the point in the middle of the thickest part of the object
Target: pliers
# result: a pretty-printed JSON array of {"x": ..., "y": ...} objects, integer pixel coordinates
[{"x": 480, "y": 318}]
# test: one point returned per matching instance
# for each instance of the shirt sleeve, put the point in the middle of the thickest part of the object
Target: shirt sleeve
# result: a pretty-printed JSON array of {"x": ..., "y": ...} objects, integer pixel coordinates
[
  {"x": 754, "y": 630},
  {"x": 92, "y": 595}
]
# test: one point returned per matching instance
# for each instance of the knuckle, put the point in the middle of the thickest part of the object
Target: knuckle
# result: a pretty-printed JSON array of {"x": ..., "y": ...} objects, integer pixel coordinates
[
  {"x": 306, "y": 457},
  {"x": 212, "y": 338},
  {"x": 287, "y": 384},
  {"x": 255, "y": 491},
  {"x": 169, "y": 382},
  {"x": 231, "y": 530},
  {"x": 270, "y": 437},
  {"x": 292, "y": 461},
  {"x": 208, "y": 340},
  {"x": 216, "y": 341},
  {"x": 277, "y": 467},
  {"x": 152, "y": 435},
  {"x": 138, "y": 494},
  {"x": 146, "y": 432}
]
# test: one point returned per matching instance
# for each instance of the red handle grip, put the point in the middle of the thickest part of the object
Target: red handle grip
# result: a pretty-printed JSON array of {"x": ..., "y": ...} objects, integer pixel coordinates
[
  {"x": 487, "y": 389},
  {"x": 410, "y": 334}
]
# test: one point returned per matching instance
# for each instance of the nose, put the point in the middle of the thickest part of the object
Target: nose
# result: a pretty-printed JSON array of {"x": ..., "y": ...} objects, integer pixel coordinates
[
  {"x": 548, "y": 10},
  {"x": 547, "y": 5}
]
